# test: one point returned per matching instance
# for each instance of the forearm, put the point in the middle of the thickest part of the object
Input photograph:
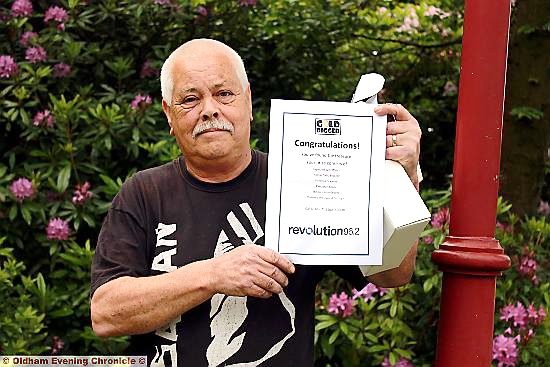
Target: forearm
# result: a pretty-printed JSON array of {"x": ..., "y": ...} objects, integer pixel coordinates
[
  {"x": 398, "y": 276},
  {"x": 128, "y": 306}
]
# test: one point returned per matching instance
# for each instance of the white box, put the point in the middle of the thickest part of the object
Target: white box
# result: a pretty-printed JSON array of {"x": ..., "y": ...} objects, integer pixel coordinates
[{"x": 405, "y": 216}]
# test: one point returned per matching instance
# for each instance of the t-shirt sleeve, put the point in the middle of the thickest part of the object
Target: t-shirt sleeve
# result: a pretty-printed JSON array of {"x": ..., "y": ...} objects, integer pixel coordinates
[{"x": 122, "y": 243}]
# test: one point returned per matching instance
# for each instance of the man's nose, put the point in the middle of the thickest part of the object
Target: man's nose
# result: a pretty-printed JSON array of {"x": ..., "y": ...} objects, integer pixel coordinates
[{"x": 210, "y": 109}]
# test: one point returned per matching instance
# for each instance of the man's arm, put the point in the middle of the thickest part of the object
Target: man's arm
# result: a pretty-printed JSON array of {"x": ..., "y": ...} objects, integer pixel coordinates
[
  {"x": 128, "y": 305},
  {"x": 402, "y": 145}
]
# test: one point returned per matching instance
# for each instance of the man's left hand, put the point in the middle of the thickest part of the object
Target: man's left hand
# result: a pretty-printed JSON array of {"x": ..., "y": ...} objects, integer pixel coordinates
[{"x": 402, "y": 138}]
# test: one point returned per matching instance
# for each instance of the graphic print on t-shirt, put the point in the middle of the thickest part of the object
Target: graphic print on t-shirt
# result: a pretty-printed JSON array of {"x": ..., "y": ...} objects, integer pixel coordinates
[{"x": 228, "y": 313}]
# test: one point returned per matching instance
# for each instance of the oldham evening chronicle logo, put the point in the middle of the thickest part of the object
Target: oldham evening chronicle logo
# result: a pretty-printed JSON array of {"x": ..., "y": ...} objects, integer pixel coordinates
[{"x": 327, "y": 127}]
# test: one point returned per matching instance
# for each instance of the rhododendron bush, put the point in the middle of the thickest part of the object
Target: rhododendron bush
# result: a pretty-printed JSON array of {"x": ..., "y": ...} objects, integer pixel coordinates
[{"x": 80, "y": 111}]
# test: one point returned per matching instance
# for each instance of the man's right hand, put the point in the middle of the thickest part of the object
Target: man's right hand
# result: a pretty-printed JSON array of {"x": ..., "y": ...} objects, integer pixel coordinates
[{"x": 250, "y": 270}]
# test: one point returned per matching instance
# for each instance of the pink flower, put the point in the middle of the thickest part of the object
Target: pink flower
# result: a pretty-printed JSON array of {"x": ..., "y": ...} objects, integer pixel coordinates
[
  {"x": 27, "y": 37},
  {"x": 141, "y": 101},
  {"x": 247, "y": 2},
  {"x": 61, "y": 70},
  {"x": 428, "y": 240},
  {"x": 57, "y": 14},
  {"x": 340, "y": 305},
  {"x": 58, "y": 229},
  {"x": 22, "y": 188},
  {"x": 35, "y": 54},
  {"x": 81, "y": 194},
  {"x": 57, "y": 345},
  {"x": 441, "y": 218},
  {"x": 147, "y": 70},
  {"x": 410, "y": 23},
  {"x": 401, "y": 363},
  {"x": 21, "y": 8},
  {"x": 516, "y": 314},
  {"x": 505, "y": 351},
  {"x": 432, "y": 10},
  {"x": 367, "y": 293},
  {"x": 528, "y": 268},
  {"x": 544, "y": 208},
  {"x": 537, "y": 317},
  {"x": 449, "y": 89},
  {"x": 201, "y": 10},
  {"x": 43, "y": 119},
  {"x": 8, "y": 66},
  {"x": 503, "y": 227},
  {"x": 163, "y": 2},
  {"x": 382, "y": 10}
]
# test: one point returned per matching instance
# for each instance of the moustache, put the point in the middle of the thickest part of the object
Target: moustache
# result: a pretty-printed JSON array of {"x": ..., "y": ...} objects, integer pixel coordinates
[{"x": 213, "y": 123}]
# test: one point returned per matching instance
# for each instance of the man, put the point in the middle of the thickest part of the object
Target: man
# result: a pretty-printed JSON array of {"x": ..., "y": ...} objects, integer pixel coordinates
[{"x": 180, "y": 262}]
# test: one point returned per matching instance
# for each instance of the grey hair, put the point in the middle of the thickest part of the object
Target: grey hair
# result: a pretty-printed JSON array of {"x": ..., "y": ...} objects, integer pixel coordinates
[{"x": 166, "y": 72}]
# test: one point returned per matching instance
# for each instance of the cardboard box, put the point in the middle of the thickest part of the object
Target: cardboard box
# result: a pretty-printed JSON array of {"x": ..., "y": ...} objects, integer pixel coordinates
[{"x": 405, "y": 217}]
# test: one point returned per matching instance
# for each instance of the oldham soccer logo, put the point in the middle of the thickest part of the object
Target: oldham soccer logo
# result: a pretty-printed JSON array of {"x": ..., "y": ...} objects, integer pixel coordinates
[{"x": 328, "y": 127}]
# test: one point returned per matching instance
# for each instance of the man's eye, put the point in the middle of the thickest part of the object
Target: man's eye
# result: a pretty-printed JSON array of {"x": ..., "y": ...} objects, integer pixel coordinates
[
  {"x": 225, "y": 96},
  {"x": 190, "y": 101}
]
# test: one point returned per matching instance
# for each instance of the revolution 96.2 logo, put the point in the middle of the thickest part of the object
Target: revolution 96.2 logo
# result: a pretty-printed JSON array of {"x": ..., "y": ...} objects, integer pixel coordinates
[{"x": 328, "y": 127}]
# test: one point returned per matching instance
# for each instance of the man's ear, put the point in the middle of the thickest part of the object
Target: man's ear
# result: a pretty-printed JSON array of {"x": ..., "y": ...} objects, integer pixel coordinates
[
  {"x": 166, "y": 110},
  {"x": 249, "y": 97}
]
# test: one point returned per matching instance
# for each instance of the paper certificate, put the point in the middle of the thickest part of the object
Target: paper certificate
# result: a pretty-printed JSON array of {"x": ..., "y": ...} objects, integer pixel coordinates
[{"x": 325, "y": 182}]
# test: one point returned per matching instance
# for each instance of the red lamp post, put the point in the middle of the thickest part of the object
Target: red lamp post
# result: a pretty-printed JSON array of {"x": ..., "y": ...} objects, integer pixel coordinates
[{"x": 471, "y": 258}]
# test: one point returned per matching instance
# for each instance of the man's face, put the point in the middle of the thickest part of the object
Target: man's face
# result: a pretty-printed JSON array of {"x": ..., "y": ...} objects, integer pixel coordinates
[{"x": 210, "y": 113}]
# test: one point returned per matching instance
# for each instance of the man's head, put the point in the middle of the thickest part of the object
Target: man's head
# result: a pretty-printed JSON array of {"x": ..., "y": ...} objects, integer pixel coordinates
[{"x": 207, "y": 101}]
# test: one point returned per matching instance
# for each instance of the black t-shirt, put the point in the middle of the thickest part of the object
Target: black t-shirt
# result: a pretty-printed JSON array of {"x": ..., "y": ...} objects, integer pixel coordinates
[{"x": 164, "y": 218}]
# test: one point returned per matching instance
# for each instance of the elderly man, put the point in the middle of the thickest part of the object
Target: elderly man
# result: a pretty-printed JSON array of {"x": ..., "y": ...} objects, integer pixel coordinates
[{"x": 180, "y": 263}]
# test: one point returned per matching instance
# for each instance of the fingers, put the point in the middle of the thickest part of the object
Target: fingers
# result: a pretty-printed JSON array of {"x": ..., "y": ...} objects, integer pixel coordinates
[
  {"x": 276, "y": 259},
  {"x": 398, "y": 110}
]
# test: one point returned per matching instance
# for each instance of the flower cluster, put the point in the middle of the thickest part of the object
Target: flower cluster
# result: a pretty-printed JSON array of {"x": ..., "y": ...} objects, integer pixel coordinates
[
  {"x": 450, "y": 89},
  {"x": 58, "y": 229},
  {"x": 247, "y": 2},
  {"x": 505, "y": 351},
  {"x": 544, "y": 208},
  {"x": 21, "y": 8},
  {"x": 410, "y": 22},
  {"x": 35, "y": 54},
  {"x": 368, "y": 292},
  {"x": 401, "y": 363},
  {"x": 442, "y": 217},
  {"x": 8, "y": 66},
  {"x": 147, "y": 70},
  {"x": 61, "y": 70},
  {"x": 57, "y": 345},
  {"x": 58, "y": 15},
  {"x": 433, "y": 11},
  {"x": 27, "y": 37},
  {"x": 22, "y": 189},
  {"x": 82, "y": 193},
  {"x": 141, "y": 101},
  {"x": 43, "y": 119},
  {"x": 341, "y": 305}
]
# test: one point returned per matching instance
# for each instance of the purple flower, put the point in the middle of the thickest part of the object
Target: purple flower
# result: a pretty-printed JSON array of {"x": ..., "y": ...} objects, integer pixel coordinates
[
  {"x": 58, "y": 229},
  {"x": 43, "y": 119},
  {"x": 141, "y": 101},
  {"x": 56, "y": 14},
  {"x": 441, "y": 218},
  {"x": 401, "y": 363},
  {"x": 516, "y": 314},
  {"x": 22, "y": 188},
  {"x": 57, "y": 345},
  {"x": 528, "y": 268},
  {"x": 27, "y": 37},
  {"x": 35, "y": 54},
  {"x": 537, "y": 317},
  {"x": 340, "y": 305},
  {"x": 544, "y": 208},
  {"x": 367, "y": 293},
  {"x": 8, "y": 66},
  {"x": 428, "y": 240},
  {"x": 21, "y": 8},
  {"x": 163, "y": 2},
  {"x": 82, "y": 193},
  {"x": 201, "y": 10},
  {"x": 450, "y": 89},
  {"x": 61, "y": 70},
  {"x": 505, "y": 351},
  {"x": 147, "y": 70},
  {"x": 247, "y": 2}
]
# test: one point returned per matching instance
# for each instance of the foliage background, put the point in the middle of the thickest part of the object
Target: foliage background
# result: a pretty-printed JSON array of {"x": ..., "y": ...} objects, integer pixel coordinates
[{"x": 292, "y": 49}]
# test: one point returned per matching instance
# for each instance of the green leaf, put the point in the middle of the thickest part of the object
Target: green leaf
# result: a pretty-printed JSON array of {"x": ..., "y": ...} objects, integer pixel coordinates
[
  {"x": 325, "y": 324},
  {"x": 63, "y": 178},
  {"x": 26, "y": 214},
  {"x": 334, "y": 336},
  {"x": 528, "y": 113}
]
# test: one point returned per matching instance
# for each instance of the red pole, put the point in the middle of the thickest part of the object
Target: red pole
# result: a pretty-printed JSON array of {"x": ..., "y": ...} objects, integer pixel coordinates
[{"x": 471, "y": 258}]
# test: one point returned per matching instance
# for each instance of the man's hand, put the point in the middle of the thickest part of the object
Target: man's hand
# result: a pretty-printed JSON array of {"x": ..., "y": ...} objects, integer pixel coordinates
[
  {"x": 402, "y": 138},
  {"x": 251, "y": 270}
]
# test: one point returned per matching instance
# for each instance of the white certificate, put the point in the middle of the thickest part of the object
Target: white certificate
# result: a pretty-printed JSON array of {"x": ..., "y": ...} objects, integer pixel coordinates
[{"x": 325, "y": 182}]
